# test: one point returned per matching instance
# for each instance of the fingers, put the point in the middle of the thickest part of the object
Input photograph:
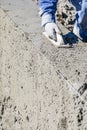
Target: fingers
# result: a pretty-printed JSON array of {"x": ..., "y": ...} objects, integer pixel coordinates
[
  {"x": 57, "y": 30},
  {"x": 60, "y": 39},
  {"x": 52, "y": 30},
  {"x": 53, "y": 35}
]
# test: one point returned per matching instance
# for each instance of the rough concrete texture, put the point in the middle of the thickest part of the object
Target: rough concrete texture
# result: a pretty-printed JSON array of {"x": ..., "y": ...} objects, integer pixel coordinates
[{"x": 41, "y": 87}]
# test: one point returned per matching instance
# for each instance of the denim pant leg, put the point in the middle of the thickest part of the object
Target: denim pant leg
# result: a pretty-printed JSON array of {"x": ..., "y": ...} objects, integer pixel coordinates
[
  {"x": 77, "y": 4},
  {"x": 81, "y": 17}
]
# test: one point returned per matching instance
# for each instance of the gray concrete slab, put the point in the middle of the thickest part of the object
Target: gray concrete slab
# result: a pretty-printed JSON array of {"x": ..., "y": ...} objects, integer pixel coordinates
[
  {"x": 24, "y": 13},
  {"x": 58, "y": 76}
]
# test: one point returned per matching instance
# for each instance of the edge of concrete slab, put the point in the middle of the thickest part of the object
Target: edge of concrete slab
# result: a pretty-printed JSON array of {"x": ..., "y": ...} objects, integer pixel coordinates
[{"x": 55, "y": 103}]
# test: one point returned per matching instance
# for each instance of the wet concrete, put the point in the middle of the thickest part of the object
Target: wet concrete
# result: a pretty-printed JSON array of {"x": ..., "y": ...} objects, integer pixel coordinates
[{"x": 42, "y": 87}]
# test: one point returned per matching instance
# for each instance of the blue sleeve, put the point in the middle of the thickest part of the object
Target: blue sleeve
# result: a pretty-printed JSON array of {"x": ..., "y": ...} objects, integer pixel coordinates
[{"x": 47, "y": 10}]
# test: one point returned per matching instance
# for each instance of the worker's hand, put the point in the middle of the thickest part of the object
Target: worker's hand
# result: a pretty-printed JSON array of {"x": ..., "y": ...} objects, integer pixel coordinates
[{"x": 51, "y": 29}]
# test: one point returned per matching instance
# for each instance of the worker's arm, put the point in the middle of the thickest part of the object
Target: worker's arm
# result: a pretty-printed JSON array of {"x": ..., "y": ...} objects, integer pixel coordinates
[{"x": 47, "y": 11}]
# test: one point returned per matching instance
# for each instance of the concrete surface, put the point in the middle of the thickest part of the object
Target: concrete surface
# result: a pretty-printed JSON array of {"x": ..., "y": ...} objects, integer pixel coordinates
[{"x": 42, "y": 87}]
